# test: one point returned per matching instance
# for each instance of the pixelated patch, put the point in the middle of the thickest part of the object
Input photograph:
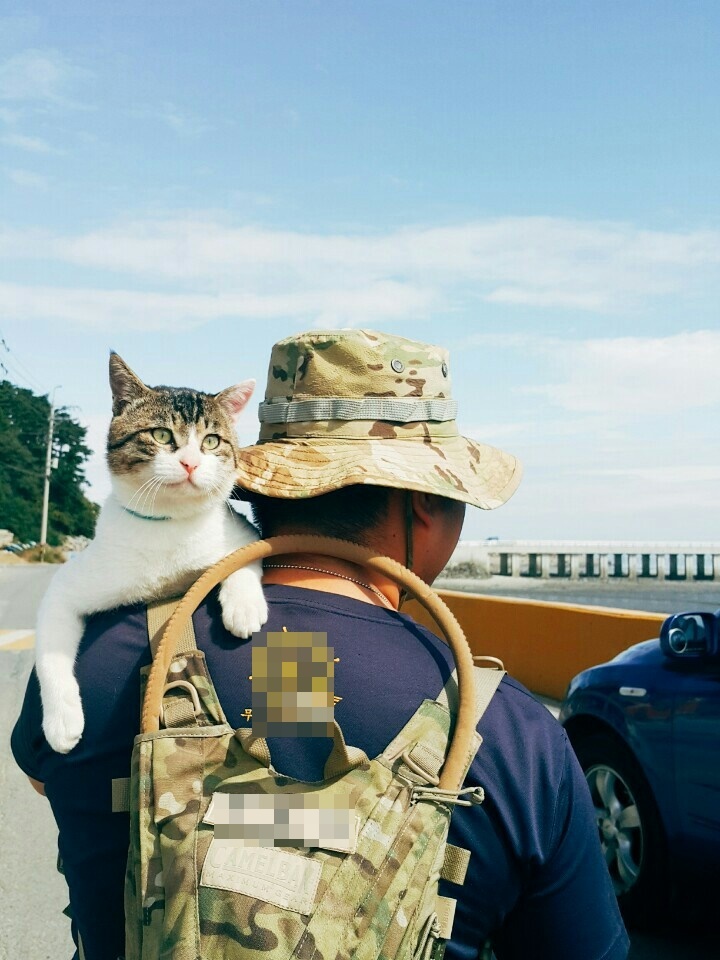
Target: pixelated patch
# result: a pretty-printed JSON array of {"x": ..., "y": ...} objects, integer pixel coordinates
[
  {"x": 293, "y": 685},
  {"x": 273, "y": 876},
  {"x": 284, "y": 820}
]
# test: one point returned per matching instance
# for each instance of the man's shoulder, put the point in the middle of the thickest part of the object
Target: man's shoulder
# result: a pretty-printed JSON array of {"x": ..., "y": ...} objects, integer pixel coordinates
[
  {"x": 515, "y": 708},
  {"x": 524, "y": 748}
]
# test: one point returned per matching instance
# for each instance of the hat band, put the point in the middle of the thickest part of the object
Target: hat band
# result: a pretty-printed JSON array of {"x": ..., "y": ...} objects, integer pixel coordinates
[{"x": 395, "y": 410}]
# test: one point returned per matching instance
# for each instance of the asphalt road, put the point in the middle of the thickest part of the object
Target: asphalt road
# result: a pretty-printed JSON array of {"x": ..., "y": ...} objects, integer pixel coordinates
[{"x": 33, "y": 894}]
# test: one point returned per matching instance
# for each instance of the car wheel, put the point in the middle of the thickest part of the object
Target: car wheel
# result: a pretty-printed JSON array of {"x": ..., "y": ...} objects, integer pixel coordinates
[{"x": 629, "y": 825}]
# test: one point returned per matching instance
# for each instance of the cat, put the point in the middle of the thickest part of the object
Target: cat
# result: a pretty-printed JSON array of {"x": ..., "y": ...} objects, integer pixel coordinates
[{"x": 172, "y": 456}]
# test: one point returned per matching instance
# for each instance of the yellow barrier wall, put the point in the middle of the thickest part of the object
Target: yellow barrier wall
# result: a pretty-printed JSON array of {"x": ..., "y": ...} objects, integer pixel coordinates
[{"x": 543, "y": 644}]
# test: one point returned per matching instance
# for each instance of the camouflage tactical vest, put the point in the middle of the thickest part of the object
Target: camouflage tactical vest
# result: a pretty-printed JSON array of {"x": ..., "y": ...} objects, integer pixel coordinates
[{"x": 229, "y": 859}]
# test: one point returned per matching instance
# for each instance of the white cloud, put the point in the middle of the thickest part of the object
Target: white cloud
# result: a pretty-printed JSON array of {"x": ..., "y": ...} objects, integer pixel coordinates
[
  {"x": 44, "y": 76},
  {"x": 159, "y": 311},
  {"x": 343, "y": 279},
  {"x": 633, "y": 376},
  {"x": 533, "y": 261},
  {"x": 547, "y": 298},
  {"x": 683, "y": 474},
  {"x": 31, "y": 144},
  {"x": 628, "y": 446},
  {"x": 26, "y": 178},
  {"x": 173, "y": 117}
]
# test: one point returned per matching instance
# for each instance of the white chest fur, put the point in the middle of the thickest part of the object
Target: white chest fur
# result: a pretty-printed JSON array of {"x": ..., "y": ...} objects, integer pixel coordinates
[{"x": 134, "y": 559}]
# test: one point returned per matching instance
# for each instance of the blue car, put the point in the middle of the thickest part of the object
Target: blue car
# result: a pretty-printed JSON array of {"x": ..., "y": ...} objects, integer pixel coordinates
[{"x": 646, "y": 729}]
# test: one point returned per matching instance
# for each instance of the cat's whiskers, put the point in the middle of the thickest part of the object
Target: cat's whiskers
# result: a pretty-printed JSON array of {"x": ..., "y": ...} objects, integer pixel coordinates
[
  {"x": 217, "y": 488},
  {"x": 156, "y": 490},
  {"x": 138, "y": 493},
  {"x": 151, "y": 496},
  {"x": 151, "y": 492}
]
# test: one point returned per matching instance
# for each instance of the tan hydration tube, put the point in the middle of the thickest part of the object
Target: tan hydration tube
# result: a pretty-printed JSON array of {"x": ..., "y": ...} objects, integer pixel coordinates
[{"x": 452, "y": 771}]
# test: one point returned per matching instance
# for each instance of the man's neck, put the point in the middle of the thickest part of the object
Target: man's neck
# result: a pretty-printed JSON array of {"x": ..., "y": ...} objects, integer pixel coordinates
[{"x": 330, "y": 575}]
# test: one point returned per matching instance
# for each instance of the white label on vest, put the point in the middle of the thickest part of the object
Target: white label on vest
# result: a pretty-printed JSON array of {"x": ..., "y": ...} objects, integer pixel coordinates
[
  {"x": 284, "y": 820},
  {"x": 273, "y": 876}
]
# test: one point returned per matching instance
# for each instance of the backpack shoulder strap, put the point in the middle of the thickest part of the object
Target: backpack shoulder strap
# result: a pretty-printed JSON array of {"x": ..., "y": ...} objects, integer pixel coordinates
[
  {"x": 425, "y": 736},
  {"x": 487, "y": 680},
  {"x": 158, "y": 615}
]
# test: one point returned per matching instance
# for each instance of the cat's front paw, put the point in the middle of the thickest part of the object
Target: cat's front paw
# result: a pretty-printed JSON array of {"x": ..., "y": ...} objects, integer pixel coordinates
[
  {"x": 244, "y": 608},
  {"x": 63, "y": 722}
]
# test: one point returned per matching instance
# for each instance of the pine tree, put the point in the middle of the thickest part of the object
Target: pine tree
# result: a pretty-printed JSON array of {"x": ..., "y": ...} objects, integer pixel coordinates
[{"x": 23, "y": 438}]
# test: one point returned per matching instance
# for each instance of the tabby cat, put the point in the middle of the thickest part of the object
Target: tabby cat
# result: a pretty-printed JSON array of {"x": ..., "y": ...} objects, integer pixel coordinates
[{"x": 172, "y": 456}]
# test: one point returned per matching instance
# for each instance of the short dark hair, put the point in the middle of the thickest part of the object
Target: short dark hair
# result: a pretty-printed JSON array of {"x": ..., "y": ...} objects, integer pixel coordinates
[{"x": 350, "y": 513}]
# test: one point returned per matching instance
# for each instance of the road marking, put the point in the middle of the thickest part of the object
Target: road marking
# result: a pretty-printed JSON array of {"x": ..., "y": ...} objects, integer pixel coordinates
[{"x": 16, "y": 640}]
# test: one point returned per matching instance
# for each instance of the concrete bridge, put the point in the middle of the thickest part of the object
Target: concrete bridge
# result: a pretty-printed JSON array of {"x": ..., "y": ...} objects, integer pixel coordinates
[{"x": 601, "y": 559}]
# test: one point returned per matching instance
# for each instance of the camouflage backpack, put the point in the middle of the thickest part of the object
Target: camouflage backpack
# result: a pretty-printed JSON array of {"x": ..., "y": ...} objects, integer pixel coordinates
[{"x": 229, "y": 859}]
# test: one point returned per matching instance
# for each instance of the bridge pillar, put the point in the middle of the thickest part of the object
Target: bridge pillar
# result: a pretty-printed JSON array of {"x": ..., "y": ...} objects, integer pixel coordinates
[
  {"x": 603, "y": 566},
  {"x": 515, "y": 564},
  {"x": 632, "y": 566},
  {"x": 545, "y": 566},
  {"x": 661, "y": 566},
  {"x": 574, "y": 566}
]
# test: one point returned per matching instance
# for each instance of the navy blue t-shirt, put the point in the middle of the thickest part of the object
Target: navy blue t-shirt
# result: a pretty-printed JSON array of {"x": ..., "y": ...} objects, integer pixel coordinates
[{"x": 536, "y": 883}]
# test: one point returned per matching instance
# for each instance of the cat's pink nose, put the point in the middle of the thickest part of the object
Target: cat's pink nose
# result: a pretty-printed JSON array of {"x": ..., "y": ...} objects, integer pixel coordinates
[{"x": 190, "y": 467}]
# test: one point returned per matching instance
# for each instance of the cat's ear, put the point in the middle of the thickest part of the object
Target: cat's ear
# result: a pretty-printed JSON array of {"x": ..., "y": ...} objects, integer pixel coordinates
[
  {"x": 125, "y": 384},
  {"x": 234, "y": 399}
]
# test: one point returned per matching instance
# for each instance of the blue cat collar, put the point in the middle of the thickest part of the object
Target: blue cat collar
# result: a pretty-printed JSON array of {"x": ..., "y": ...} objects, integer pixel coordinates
[{"x": 142, "y": 516}]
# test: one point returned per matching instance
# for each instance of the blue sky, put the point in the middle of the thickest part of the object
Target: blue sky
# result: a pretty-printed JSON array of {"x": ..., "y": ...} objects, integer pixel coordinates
[{"x": 536, "y": 185}]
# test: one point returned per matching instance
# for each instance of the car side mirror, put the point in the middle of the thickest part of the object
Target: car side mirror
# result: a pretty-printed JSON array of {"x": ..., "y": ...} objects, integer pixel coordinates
[{"x": 690, "y": 636}]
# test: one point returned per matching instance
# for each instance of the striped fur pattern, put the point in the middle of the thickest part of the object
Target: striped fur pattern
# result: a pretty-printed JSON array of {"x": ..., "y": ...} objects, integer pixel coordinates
[{"x": 172, "y": 455}]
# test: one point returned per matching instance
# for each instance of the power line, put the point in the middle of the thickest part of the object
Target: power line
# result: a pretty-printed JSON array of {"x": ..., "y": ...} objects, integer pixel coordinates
[{"x": 11, "y": 357}]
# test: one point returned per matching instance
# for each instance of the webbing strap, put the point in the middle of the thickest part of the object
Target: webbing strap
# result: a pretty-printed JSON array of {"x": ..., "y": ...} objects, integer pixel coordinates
[
  {"x": 455, "y": 865},
  {"x": 487, "y": 680},
  {"x": 343, "y": 757},
  {"x": 121, "y": 795},
  {"x": 178, "y": 711},
  {"x": 158, "y": 615},
  {"x": 428, "y": 761},
  {"x": 396, "y": 409},
  {"x": 445, "y": 909},
  {"x": 81, "y": 949}
]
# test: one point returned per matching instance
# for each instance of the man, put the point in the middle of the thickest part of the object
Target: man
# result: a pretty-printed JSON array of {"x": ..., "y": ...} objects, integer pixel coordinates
[{"x": 358, "y": 441}]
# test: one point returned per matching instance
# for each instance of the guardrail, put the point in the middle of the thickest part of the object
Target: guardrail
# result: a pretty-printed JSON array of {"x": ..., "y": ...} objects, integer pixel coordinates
[
  {"x": 600, "y": 559},
  {"x": 543, "y": 644}
]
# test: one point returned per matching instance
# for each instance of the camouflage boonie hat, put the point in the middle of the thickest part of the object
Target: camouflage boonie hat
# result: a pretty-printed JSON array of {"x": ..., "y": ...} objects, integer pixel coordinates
[{"x": 347, "y": 407}]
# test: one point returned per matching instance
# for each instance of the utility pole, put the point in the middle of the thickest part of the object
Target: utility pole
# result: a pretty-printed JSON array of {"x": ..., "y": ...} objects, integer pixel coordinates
[{"x": 48, "y": 471}]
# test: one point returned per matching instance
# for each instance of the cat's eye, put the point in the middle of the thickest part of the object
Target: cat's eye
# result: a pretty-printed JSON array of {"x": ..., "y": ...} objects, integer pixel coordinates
[
  {"x": 161, "y": 435},
  {"x": 211, "y": 442}
]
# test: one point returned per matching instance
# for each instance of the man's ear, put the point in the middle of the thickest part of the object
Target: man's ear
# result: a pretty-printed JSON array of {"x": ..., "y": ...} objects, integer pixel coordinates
[
  {"x": 125, "y": 384},
  {"x": 424, "y": 507}
]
